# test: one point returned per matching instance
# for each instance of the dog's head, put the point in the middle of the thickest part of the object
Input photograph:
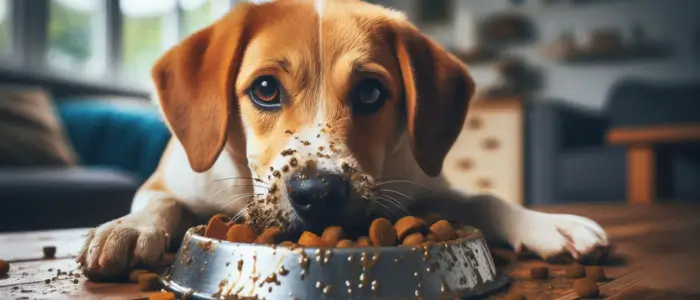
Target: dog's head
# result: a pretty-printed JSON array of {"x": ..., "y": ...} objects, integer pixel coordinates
[{"x": 316, "y": 95}]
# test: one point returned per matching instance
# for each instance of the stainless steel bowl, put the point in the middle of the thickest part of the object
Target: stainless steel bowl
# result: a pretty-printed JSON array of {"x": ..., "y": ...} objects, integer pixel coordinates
[{"x": 211, "y": 269}]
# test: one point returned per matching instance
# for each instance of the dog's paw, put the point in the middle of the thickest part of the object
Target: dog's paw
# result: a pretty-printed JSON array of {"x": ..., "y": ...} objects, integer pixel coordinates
[
  {"x": 113, "y": 249},
  {"x": 554, "y": 237}
]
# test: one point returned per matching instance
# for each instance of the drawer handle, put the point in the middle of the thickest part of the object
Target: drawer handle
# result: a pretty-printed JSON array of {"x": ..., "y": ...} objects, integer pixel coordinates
[{"x": 465, "y": 164}]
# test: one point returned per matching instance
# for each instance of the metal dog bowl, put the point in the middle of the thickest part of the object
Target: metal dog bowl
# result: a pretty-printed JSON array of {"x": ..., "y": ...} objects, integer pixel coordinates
[{"x": 211, "y": 269}]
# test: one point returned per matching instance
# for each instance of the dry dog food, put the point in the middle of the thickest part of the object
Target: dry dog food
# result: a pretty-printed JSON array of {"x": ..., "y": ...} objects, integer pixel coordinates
[
  {"x": 586, "y": 288},
  {"x": 407, "y": 231},
  {"x": 4, "y": 267},
  {"x": 575, "y": 271},
  {"x": 596, "y": 274},
  {"x": 49, "y": 252},
  {"x": 162, "y": 296},
  {"x": 134, "y": 275},
  {"x": 539, "y": 272},
  {"x": 149, "y": 282}
]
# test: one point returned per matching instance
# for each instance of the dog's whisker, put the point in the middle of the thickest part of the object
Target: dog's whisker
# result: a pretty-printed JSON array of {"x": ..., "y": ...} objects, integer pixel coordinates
[
  {"x": 235, "y": 186},
  {"x": 236, "y": 198},
  {"x": 389, "y": 181},
  {"x": 396, "y": 203},
  {"x": 245, "y": 178},
  {"x": 376, "y": 200},
  {"x": 399, "y": 193}
]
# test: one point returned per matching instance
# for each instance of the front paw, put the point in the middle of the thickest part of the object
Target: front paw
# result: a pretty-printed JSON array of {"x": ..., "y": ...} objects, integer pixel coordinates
[
  {"x": 113, "y": 249},
  {"x": 558, "y": 238}
]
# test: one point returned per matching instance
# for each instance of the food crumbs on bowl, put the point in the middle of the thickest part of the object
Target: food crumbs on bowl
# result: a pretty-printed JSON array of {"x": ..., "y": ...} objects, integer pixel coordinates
[
  {"x": 596, "y": 274},
  {"x": 149, "y": 282},
  {"x": 134, "y": 275},
  {"x": 539, "y": 272},
  {"x": 49, "y": 251},
  {"x": 4, "y": 267},
  {"x": 240, "y": 233},
  {"x": 309, "y": 239},
  {"x": 332, "y": 235},
  {"x": 575, "y": 271},
  {"x": 162, "y": 296},
  {"x": 382, "y": 233},
  {"x": 586, "y": 288}
]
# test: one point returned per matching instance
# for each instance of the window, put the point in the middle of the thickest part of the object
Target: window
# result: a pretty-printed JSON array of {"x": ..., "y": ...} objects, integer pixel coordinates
[
  {"x": 149, "y": 28},
  {"x": 196, "y": 14},
  {"x": 76, "y": 35},
  {"x": 5, "y": 29}
]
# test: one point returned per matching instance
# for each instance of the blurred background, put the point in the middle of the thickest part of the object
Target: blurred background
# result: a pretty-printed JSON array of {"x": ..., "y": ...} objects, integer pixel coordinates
[{"x": 578, "y": 101}]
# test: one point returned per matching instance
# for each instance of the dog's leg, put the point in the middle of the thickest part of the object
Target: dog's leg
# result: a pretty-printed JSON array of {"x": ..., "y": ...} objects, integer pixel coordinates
[
  {"x": 548, "y": 235},
  {"x": 139, "y": 238}
]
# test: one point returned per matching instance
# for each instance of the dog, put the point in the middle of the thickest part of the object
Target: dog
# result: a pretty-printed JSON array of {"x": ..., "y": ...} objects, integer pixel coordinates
[{"x": 299, "y": 114}]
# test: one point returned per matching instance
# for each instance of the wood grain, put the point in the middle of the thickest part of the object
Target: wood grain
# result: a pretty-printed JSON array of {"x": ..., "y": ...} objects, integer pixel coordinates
[
  {"x": 657, "y": 258},
  {"x": 655, "y": 135}
]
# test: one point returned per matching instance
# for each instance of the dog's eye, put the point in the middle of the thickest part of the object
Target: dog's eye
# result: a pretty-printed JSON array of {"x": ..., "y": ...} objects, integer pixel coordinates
[
  {"x": 368, "y": 96},
  {"x": 265, "y": 92}
]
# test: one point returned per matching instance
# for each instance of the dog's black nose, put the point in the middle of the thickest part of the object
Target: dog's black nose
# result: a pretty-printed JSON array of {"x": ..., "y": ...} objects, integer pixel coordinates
[{"x": 317, "y": 196}]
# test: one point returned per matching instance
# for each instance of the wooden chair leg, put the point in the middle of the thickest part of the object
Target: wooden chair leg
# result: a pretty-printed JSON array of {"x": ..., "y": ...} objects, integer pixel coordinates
[{"x": 641, "y": 174}]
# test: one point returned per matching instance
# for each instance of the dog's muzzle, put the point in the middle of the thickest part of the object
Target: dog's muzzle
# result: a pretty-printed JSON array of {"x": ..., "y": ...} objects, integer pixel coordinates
[{"x": 317, "y": 197}]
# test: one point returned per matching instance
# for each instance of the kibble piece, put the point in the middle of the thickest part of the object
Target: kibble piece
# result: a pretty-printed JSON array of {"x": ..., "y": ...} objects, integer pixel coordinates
[
  {"x": 514, "y": 296},
  {"x": 408, "y": 225},
  {"x": 443, "y": 231},
  {"x": 289, "y": 244},
  {"x": 430, "y": 237},
  {"x": 217, "y": 227},
  {"x": 240, "y": 233},
  {"x": 269, "y": 236},
  {"x": 413, "y": 239},
  {"x": 4, "y": 267},
  {"x": 575, "y": 271},
  {"x": 49, "y": 251},
  {"x": 461, "y": 233},
  {"x": 363, "y": 241},
  {"x": 345, "y": 244},
  {"x": 431, "y": 218},
  {"x": 586, "y": 288},
  {"x": 382, "y": 233},
  {"x": 134, "y": 275},
  {"x": 149, "y": 282},
  {"x": 162, "y": 296},
  {"x": 539, "y": 273},
  {"x": 309, "y": 239},
  {"x": 596, "y": 274},
  {"x": 332, "y": 235}
]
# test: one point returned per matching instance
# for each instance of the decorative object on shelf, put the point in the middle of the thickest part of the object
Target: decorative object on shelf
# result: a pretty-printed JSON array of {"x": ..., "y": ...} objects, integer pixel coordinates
[
  {"x": 517, "y": 79},
  {"x": 507, "y": 28},
  {"x": 478, "y": 55},
  {"x": 606, "y": 45},
  {"x": 435, "y": 12}
]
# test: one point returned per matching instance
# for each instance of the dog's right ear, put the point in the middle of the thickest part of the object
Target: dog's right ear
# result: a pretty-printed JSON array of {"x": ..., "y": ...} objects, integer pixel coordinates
[{"x": 195, "y": 85}]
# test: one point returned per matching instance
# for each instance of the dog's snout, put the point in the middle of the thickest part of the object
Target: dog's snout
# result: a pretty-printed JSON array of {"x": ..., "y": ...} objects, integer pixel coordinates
[{"x": 318, "y": 196}]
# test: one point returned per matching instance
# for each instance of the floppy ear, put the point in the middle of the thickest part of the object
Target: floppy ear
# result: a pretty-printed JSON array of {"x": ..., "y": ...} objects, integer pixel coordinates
[
  {"x": 195, "y": 85},
  {"x": 437, "y": 90}
]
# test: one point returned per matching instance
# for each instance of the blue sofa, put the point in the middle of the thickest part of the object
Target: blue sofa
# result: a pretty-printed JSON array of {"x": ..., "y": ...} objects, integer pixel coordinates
[
  {"x": 568, "y": 158},
  {"x": 118, "y": 145}
]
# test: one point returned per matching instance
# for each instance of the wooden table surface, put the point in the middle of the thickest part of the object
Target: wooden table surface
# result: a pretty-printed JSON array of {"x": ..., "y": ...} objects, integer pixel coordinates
[{"x": 658, "y": 253}]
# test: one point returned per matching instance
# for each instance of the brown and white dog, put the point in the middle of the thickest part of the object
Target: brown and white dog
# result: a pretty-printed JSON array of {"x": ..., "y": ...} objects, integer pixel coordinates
[{"x": 302, "y": 113}]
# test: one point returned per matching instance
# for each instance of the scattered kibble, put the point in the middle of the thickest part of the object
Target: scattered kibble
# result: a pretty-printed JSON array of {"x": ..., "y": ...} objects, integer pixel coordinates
[
  {"x": 149, "y": 282},
  {"x": 4, "y": 267},
  {"x": 49, "y": 251},
  {"x": 596, "y": 274},
  {"x": 586, "y": 288},
  {"x": 162, "y": 296},
  {"x": 539, "y": 272},
  {"x": 575, "y": 271},
  {"x": 134, "y": 275}
]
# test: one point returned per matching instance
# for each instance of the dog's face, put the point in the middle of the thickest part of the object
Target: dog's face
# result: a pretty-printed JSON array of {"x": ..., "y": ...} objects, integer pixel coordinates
[{"x": 316, "y": 95}]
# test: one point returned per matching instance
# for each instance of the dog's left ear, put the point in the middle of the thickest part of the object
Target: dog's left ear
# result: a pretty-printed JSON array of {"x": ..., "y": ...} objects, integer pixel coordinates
[
  {"x": 437, "y": 91},
  {"x": 195, "y": 84}
]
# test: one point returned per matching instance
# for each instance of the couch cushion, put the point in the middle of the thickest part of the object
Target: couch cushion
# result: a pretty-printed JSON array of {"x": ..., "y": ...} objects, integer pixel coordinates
[
  {"x": 30, "y": 132},
  {"x": 45, "y": 198}
]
